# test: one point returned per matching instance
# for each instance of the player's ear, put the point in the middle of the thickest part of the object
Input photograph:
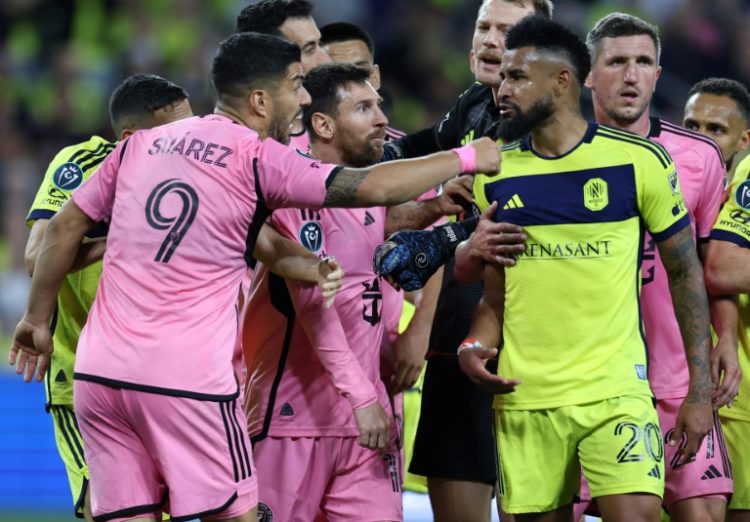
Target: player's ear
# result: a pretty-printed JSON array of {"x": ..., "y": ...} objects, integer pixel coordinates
[
  {"x": 323, "y": 125},
  {"x": 375, "y": 77},
  {"x": 562, "y": 81},
  {"x": 745, "y": 140},
  {"x": 259, "y": 102}
]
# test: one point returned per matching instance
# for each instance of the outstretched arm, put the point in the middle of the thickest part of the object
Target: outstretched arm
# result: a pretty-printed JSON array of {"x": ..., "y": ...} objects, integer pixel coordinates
[{"x": 386, "y": 184}]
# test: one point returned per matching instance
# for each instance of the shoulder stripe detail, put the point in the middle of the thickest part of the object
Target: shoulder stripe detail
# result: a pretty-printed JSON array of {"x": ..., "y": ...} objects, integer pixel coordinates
[
  {"x": 658, "y": 152},
  {"x": 512, "y": 145},
  {"x": 645, "y": 141},
  {"x": 687, "y": 133},
  {"x": 631, "y": 135},
  {"x": 94, "y": 163},
  {"x": 394, "y": 134},
  {"x": 82, "y": 160},
  {"x": 83, "y": 151}
]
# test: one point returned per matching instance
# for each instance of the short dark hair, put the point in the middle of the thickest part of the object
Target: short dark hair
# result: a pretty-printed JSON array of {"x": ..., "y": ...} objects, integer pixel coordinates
[
  {"x": 323, "y": 84},
  {"x": 267, "y": 16},
  {"x": 545, "y": 34},
  {"x": 615, "y": 25},
  {"x": 135, "y": 99},
  {"x": 247, "y": 61},
  {"x": 344, "y": 32},
  {"x": 725, "y": 87},
  {"x": 541, "y": 7}
]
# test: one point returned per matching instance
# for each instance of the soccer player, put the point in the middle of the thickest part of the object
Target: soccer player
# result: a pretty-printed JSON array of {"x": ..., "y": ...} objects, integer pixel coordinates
[
  {"x": 348, "y": 43},
  {"x": 290, "y": 19},
  {"x": 572, "y": 383},
  {"x": 720, "y": 109},
  {"x": 625, "y": 68},
  {"x": 403, "y": 354},
  {"x": 310, "y": 407},
  {"x": 707, "y": 111},
  {"x": 141, "y": 101},
  {"x": 454, "y": 446},
  {"x": 161, "y": 333}
]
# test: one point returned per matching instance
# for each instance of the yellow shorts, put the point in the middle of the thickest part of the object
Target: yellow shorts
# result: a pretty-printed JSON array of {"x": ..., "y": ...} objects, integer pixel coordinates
[
  {"x": 70, "y": 447},
  {"x": 617, "y": 441},
  {"x": 737, "y": 435}
]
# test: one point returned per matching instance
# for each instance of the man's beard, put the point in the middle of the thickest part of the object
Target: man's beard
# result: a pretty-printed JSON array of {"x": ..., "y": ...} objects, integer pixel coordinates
[
  {"x": 511, "y": 129},
  {"x": 279, "y": 129},
  {"x": 361, "y": 156}
]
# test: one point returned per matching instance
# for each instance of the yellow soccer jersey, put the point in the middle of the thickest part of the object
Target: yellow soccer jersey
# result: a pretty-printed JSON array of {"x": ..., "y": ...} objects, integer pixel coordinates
[
  {"x": 733, "y": 224},
  {"x": 572, "y": 328},
  {"x": 68, "y": 170}
]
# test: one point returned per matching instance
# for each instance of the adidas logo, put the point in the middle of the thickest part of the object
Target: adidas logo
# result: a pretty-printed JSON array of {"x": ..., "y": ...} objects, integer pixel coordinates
[
  {"x": 61, "y": 377},
  {"x": 369, "y": 220},
  {"x": 514, "y": 202},
  {"x": 655, "y": 472},
  {"x": 286, "y": 410},
  {"x": 711, "y": 473}
]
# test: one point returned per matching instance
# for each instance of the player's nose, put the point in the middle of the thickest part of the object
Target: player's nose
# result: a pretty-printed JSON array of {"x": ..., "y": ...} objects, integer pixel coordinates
[{"x": 304, "y": 97}]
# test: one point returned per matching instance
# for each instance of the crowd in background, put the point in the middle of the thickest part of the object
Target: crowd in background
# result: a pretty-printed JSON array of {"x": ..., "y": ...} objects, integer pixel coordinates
[{"x": 60, "y": 60}]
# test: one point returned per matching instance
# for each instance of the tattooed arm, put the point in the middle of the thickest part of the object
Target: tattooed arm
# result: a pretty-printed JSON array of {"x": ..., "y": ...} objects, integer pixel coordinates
[
  {"x": 395, "y": 182},
  {"x": 680, "y": 259}
]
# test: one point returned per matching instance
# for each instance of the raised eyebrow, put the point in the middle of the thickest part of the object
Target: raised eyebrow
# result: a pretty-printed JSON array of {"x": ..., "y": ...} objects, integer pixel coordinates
[{"x": 646, "y": 58}]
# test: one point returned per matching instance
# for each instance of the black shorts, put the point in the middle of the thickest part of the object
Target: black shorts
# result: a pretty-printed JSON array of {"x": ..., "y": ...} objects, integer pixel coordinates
[{"x": 456, "y": 432}]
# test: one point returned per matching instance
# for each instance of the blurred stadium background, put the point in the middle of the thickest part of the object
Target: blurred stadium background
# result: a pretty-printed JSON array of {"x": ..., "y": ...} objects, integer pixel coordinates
[{"x": 60, "y": 59}]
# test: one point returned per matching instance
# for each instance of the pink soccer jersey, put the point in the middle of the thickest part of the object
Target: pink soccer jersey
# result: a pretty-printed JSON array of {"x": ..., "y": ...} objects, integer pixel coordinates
[
  {"x": 185, "y": 203},
  {"x": 308, "y": 367},
  {"x": 700, "y": 170}
]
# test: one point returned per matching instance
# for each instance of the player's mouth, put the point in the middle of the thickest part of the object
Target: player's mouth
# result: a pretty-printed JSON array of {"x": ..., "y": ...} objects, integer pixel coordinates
[
  {"x": 630, "y": 95},
  {"x": 508, "y": 109},
  {"x": 378, "y": 136},
  {"x": 490, "y": 62}
]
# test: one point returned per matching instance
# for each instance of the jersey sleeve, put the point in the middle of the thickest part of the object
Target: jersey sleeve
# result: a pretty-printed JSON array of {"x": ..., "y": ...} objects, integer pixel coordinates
[
  {"x": 323, "y": 325},
  {"x": 733, "y": 223},
  {"x": 287, "y": 177},
  {"x": 60, "y": 180},
  {"x": 660, "y": 200},
  {"x": 481, "y": 199},
  {"x": 711, "y": 197},
  {"x": 97, "y": 196}
]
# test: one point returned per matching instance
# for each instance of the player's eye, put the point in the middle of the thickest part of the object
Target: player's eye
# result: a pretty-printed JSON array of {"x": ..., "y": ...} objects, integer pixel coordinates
[{"x": 691, "y": 126}]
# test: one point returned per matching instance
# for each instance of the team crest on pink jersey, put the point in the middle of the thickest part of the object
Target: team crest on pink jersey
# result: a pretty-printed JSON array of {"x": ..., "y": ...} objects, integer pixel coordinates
[{"x": 311, "y": 236}]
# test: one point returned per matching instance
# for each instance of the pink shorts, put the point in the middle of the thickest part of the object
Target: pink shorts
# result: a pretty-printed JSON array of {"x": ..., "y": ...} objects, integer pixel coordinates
[
  {"x": 326, "y": 478},
  {"x": 707, "y": 475},
  {"x": 149, "y": 453}
]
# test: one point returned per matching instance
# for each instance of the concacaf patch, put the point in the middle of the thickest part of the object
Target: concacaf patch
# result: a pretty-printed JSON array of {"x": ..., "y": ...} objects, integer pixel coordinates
[
  {"x": 742, "y": 195},
  {"x": 311, "y": 236},
  {"x": 68, "y": 176}
]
